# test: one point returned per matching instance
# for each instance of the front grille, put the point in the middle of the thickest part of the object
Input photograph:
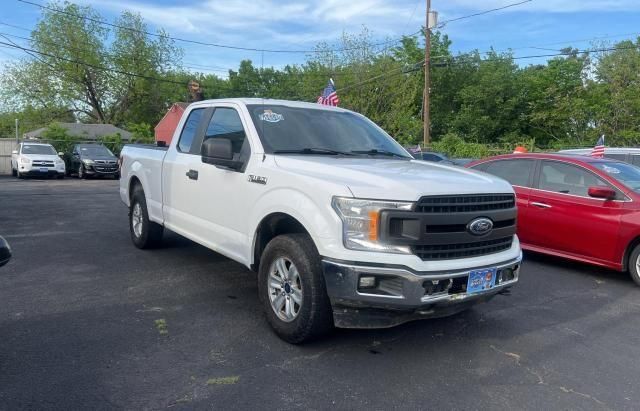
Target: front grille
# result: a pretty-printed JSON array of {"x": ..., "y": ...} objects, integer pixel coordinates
[
  {"x": 42, "y": 163},
  {"x": 465, "y": 203},
  {"x": 106, "y": 162},
  {"x": 451, "y": 251}
]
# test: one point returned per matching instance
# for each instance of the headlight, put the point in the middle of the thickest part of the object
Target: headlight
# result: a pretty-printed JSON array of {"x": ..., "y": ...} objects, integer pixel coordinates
[
  {"x": 59, "y": 161},
  {"x": 87, "y": 161},
  {"x": 361, "y": 221},
  {"x": 25, "y": 160}
]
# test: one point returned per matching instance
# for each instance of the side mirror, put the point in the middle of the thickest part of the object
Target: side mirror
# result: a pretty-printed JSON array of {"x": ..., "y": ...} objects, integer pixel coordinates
[
  {"x": 218, "y": 152},
  {"x": 14, "y": 152},
  {"x": 606, "y": 193},
  {"x": 60, "y": 153},
  {"x": 5, "y": 252}
]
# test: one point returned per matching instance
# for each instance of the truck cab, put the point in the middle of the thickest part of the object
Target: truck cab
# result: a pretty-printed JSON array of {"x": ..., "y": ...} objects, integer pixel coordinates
[{"x": 341, "y": 224}]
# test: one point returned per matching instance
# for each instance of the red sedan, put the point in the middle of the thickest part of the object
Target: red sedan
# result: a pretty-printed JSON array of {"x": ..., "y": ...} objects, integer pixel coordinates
[{"x": 575, "y": 207}]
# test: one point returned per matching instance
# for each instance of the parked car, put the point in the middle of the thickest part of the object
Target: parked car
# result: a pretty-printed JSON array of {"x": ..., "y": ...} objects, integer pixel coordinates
[
  {"x": 433, "y": 156},
  {"x": 36, "y": 159},
  {"x": 576, "y": 207},
  {"x": 441, "y": 158},
  {"x": 5, "y": 252},
  {"x": 627, "y": 154},
  {"x": 342, "y": 225},
  {"x": 88, "y": 160}
]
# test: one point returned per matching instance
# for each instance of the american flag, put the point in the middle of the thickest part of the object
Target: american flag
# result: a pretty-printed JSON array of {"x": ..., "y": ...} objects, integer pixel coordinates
[
  {"x": 598, "y": 150},
  {"x": 329, "y": 96}
]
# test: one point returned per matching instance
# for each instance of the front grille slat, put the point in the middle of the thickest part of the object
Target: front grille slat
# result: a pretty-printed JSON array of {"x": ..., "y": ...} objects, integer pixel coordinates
[
  {"x": 451, "y": 251},
  {"x": 465, "y": 204}
]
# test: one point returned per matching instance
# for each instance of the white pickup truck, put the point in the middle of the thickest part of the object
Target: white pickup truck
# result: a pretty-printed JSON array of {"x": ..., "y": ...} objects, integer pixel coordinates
[{"x": 341, "y": 224}]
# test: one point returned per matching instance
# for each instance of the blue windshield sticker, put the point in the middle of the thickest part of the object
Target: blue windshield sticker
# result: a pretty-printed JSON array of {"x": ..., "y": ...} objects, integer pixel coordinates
[
  {"x": 271, "y": 117},
  {"x": 611, "y": 170}
]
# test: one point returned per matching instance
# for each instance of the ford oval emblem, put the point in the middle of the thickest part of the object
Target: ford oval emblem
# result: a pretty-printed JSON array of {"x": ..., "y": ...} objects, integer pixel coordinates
[{"x": 480, "y": 226}]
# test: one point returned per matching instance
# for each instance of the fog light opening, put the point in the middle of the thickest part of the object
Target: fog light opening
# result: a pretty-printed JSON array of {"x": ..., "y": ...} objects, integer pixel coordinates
[
  {"x": 506, "y": 275},
  {"x": 366, "y": 282}
]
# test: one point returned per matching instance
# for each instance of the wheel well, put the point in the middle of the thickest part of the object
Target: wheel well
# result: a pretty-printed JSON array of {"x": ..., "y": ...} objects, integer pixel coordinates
[
  {"x": 133, "y": 183},
  {"x": 270, "y": 227},
  {"x": 627, "y": 253}
]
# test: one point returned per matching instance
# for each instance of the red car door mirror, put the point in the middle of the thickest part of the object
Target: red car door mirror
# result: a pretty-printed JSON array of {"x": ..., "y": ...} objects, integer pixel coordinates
[{"x": 606, "y": 193}]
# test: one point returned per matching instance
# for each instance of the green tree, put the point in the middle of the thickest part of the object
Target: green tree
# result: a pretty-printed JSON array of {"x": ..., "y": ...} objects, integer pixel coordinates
[{"x": 100, "y": 75}]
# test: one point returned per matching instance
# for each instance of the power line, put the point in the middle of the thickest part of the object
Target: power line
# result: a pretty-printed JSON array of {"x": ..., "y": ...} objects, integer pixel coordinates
[
  {"x": 481, "y": 13},
  {"x": 187, "y": 64},
  {"x": 83, "y": 63}
]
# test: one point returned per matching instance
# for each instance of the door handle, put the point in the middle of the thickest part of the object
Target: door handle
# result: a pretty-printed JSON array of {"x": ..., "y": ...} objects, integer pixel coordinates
[
  {"x": 540, "y": 205},
  {"x": 192, "y": 174}
]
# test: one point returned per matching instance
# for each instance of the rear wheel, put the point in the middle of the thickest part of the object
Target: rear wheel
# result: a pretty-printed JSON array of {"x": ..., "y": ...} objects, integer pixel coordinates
[
  {"x": 634, "y": 264},
  {"x": 292, "y": 289},
  {"x": 144, "y": 232}
]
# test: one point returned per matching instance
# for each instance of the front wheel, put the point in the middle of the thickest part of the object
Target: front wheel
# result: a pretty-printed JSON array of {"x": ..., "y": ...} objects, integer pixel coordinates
[
  {"x": 81, "y": 172},
  {"x": 144, "y": 232},
  {"x": 14, "y": 172},
  {"x": 634, "y": 264},
  {"x": 292, "y": 289}
]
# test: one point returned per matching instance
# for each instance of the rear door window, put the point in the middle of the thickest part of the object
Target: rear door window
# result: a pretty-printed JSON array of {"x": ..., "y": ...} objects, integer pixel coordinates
[
  {"x": 517, "y": 172},
  {"x": 190, "y": 130}
]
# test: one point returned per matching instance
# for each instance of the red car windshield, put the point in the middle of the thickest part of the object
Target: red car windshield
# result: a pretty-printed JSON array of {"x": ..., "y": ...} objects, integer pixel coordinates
[{"x": 625, "y": 173}]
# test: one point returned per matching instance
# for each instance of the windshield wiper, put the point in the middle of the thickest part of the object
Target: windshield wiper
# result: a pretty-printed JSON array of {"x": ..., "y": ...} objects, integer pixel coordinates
[
  {"x": 314, "y": 150},
  {"x": 375, "y": 151}
]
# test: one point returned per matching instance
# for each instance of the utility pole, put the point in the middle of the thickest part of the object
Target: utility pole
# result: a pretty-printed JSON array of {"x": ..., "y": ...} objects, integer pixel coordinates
[
  {"x": 17, "y": 134},
  {"x": 427, "y": 79}
]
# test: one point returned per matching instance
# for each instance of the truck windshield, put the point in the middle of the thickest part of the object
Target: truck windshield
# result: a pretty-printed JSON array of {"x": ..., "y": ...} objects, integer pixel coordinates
[
  {"x": 38, "y": 149},
  {"x": 625, "y": 173},
  {"x": 296, "y": 130}
]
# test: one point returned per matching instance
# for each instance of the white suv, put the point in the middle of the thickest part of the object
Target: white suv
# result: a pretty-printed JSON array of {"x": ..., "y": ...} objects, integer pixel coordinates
[{"x": 36, "y": 159}]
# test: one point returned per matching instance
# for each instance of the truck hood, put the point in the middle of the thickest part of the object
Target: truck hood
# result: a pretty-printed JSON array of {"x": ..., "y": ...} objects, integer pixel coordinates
[{"x": 393, "y": 179}]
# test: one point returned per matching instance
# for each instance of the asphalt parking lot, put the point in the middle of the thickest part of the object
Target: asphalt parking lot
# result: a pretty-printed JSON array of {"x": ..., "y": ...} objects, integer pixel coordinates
[{"x": 87, "y": 321}]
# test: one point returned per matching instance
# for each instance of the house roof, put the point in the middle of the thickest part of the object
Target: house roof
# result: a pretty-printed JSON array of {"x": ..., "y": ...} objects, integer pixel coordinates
[{"x": 86, "y": 131}]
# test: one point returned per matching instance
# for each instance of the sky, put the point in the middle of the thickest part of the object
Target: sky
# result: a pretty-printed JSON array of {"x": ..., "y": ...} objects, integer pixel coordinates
[{"x": 300, "y": 25}]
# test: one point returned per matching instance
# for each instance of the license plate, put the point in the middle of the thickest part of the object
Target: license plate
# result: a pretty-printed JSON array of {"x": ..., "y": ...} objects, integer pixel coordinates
[
  {"x": 481, "y": 280},
  {"x": 44, "y": 170}
]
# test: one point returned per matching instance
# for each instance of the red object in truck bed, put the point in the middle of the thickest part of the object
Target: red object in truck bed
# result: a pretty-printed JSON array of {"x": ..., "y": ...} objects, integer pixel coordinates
[{"x": 165, "y": 128}]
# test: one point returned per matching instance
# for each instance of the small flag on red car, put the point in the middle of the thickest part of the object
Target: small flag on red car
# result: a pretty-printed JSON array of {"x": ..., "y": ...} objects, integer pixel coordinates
[
  {"x": 329, "y": 96},
  {"x": 598, "y": 150}
]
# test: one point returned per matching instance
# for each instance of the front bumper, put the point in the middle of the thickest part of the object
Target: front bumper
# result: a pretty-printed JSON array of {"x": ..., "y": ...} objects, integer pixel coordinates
[
  {"x": 36, "y": 172},
  {"x": 404, "y": 295},
  {"x": 101, "y": 170}
]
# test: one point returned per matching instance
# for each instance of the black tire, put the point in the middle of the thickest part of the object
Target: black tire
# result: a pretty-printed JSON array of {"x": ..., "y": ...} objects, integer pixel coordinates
[
  {"x": 314, "y": 317},
  {"x": 81, "y": 173},
  {"x": 14, "y": 172},
  {"x": 150, "y": 233},
  {"x": 633, "y": 264},
  {"x": 19, "y": 174},
  {"x": 60, "y": 176}
]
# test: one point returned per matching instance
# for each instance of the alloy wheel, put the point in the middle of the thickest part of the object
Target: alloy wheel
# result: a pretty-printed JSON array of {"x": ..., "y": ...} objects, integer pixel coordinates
[{"x": 285, "y": 289}]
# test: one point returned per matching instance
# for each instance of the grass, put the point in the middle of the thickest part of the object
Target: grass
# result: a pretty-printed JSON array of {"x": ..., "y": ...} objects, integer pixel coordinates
[
  {"x": 161, "y": 326},
  {"x": 223, "y": 380}
]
